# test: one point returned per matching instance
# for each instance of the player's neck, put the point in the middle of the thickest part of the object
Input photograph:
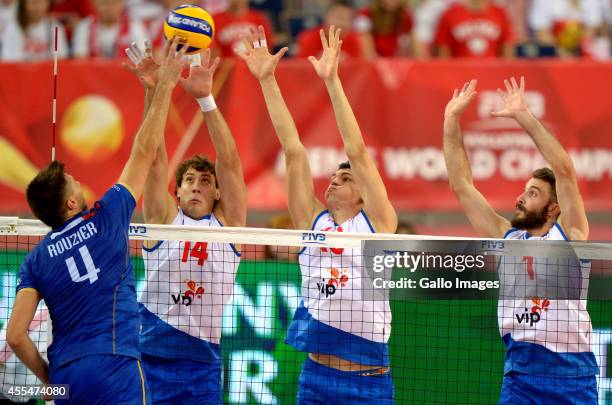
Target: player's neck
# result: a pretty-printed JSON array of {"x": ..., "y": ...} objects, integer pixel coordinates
[
  {"x": 542, "y": 230},
  {"x": 475, "y": 5},
  {"x": 342, "y": 214}
]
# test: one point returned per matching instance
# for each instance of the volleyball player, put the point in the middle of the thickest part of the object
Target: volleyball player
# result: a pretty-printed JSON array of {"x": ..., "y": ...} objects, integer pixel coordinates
[
  {"x": 82, "y": 270},
  {"x": 345, "y": 337},
  {"x": 551, "y": 360},
  {"x": 189, "y": 283}
]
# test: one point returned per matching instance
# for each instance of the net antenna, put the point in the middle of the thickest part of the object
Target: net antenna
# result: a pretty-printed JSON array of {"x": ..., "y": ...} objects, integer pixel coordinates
[{"x": 54, "y": 123}]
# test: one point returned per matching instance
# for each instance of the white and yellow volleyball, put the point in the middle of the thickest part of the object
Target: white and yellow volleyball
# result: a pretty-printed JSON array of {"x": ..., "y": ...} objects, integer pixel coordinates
[{"x": 193, "y": 25}]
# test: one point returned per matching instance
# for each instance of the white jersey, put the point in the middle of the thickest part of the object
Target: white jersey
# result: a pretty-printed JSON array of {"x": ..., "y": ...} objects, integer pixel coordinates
[
  {"x": 333, "y": 318},
  {"x": 561, "y": 328},
  {"x": 187, "y": 287}
]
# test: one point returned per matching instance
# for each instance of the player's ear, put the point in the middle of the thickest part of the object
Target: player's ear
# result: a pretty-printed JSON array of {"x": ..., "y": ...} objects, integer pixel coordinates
[
  {"x": 71, "y": 203},
  {"x": 554, "y": 209},
  {"x": 217, "y": 195}
]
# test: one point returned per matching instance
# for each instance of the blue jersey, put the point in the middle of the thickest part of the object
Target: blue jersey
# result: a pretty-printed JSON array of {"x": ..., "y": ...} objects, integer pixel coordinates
[{"x": 83, "y": 272}]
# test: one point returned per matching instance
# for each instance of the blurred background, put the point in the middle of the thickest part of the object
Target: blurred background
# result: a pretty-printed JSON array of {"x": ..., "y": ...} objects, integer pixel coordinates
[{"x": 401, "y": 62}]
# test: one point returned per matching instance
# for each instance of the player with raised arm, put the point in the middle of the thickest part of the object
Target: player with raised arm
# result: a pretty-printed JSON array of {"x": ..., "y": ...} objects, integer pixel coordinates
[
  {"x": 189, "y": 283},
  {"x": 345, "y": 336},
  {"x": 83, "y": 272},
  {"x": 551, "y": 360}
]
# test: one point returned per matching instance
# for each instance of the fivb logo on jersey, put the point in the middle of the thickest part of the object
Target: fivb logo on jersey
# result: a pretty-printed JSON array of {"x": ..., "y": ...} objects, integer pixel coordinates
[
  {"x": 194, "y": 291},
  {"x": 535, "y": 315}
]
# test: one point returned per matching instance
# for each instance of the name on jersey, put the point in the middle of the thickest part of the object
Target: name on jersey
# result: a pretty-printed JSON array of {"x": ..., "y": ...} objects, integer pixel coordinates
[
  {"x": 477, "y": 28},
  {"x": 74, "y": 239}
]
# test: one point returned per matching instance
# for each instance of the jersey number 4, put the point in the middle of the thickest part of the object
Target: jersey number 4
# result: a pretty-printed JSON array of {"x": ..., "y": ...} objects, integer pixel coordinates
[
  {"x": 90, "y": 267},
  {"x": 198, "y": 251}
]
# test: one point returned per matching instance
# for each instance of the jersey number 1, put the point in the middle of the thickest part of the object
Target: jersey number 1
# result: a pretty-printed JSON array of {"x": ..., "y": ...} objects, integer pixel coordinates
[
  {"x": 92, "y": 270},
  {"x": 198, "y": 251}
]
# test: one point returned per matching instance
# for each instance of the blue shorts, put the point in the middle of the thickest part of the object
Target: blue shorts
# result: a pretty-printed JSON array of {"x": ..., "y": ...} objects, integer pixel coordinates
[
  {"x": 175, "y": 381},
  {"x": 319, "y": 384},
  {"x": 102, "y": 379},
  {"x": 519, "y": 389}
]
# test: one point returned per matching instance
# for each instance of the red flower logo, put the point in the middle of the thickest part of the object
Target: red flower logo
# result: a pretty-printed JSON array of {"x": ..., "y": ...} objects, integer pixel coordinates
[
  {"x": 337, "y": 279},
  {"x": 193, "y": 289},
  {"x": 539, "y": 305}
]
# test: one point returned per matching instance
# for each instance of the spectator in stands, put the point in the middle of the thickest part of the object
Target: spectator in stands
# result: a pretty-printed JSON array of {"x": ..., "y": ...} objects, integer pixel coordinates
[
  {"x": 385, "y": 28},
  {"x": 570, "y": 25},
  {"x": 474, "y": 29},
  {"x": 236, "y": 21},
  {"x": 8, "y": 13},
  {"x": 405, "y": 228},
  {"x": 30, "y": 36},
  {"x": 282, "y": 253},
  {"x": 108, "y": 32},
  {"x": 340, "y": 14},
  {"x": 426, "y": 16},
  {"x": 70, "y": 12}
]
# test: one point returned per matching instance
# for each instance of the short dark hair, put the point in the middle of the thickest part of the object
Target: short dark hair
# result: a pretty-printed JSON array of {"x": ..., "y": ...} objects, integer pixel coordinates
[
  {"x": 344, "y": 165},
  {"x": 198, "y": 162},
  {"x": 547, "y": 175},
  {"x": 46, "y": 195}
]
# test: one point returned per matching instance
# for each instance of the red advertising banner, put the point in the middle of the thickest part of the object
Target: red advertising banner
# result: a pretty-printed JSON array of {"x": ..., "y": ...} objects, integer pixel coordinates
[{"x": 399, "y": 105}]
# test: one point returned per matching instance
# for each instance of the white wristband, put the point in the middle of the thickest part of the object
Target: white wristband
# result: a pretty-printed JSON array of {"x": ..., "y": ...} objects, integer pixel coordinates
[{"x": 207, "y": 103}]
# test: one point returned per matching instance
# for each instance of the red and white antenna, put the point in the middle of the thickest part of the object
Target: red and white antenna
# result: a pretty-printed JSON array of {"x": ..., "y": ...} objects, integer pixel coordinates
[{"x": 56, "y": 32}]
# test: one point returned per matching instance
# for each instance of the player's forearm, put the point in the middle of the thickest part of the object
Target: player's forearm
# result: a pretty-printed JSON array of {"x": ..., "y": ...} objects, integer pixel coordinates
[
  {"x": 27, "y": 352},
  {"x": 147, "y": 100},
  {"x": 455, "y": 156},
  {"x": 354, "y": 146},
  {"x": 283, "y": 123},
  {"x": 153, "y": 126},
  {"x": 222, "y": 139},
  {"x": 550, "y": 148}
]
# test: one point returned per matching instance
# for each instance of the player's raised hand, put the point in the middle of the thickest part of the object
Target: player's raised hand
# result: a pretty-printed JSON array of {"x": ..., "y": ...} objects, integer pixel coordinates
[
  {"x": 255, "y": 53},
  {"x": 327, "y": 66},
  {"x": 172, "y": 63},
  {"x": 199, "y": 83},
  {"x": 143, "y": 65},
  {"x": 514, "y": 99},
  {"x": 461, "y": 99}
]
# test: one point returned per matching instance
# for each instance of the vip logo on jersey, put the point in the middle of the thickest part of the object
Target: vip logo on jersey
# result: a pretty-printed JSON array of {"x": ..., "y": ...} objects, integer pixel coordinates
[
  {"x": 535, "y": 315},
  {"x": 194, "y": 291},
  {"x": 335, "y": 281}
]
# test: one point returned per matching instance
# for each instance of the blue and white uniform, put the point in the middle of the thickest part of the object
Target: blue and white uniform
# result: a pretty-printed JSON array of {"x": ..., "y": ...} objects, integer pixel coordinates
[
  {"x": 333, "y": 319},
  {"x": 181, "y": 309},
  {"x": 549, "y": 355},
  {"x": 83, "y": 272}
]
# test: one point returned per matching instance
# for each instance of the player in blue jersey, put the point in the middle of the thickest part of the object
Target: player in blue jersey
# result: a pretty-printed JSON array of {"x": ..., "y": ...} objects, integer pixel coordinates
[
  {"x": 189, "y": 283},
  {"x": 83, "y": 272},
  {"x": 344, "y": 335},
  {"x": 549, "y": 361}
]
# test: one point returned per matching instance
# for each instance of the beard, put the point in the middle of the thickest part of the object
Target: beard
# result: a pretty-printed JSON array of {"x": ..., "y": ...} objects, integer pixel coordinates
[{"x": 530, "y": 220}]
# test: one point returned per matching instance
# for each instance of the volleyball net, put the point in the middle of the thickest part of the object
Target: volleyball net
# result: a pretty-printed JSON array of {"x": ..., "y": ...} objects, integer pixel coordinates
[{"x": 437, "y": 303}]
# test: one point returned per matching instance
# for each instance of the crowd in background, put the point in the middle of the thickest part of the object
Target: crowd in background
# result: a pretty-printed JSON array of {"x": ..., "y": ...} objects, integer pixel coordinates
[{"x": 370, "y": 28}]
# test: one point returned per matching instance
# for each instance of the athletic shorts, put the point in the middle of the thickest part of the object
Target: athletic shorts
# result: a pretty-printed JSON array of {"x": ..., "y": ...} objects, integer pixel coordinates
[
  {"x": 519, "y": 389},
  {"x": 176, "y": 381},
  {"x": 102, "y": 379},
  {"x": 319, "y": 384}
]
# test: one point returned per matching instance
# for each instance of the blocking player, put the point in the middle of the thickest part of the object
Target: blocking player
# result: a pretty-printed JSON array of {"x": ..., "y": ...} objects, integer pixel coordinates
[
  {"x": 345, "y": 337},
  {"x": 189, "y": 283},
  {"x": 83, "y": 272},
  {"x": 550, "y": 361}
]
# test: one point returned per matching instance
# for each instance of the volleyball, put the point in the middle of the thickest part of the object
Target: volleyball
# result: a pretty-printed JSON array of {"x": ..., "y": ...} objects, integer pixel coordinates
[{"x": 193, "y": 25}]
